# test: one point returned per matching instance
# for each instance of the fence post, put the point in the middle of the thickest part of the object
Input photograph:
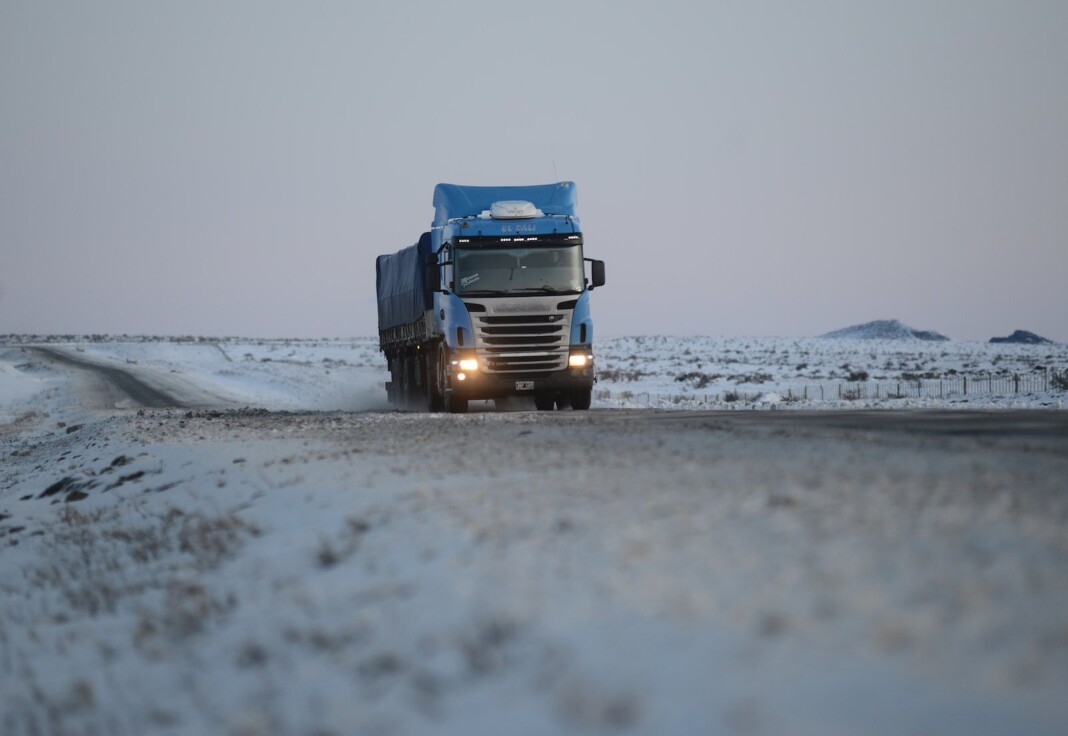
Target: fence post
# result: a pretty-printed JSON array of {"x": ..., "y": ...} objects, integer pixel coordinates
[{"x": 965, "y": 385}]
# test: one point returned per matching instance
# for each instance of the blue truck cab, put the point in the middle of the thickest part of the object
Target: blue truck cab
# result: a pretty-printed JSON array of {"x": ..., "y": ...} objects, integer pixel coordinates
[{"x": 492, "y": 302}]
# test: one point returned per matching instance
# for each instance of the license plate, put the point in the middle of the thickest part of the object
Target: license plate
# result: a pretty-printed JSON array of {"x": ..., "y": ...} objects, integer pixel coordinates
[{"x": 524, "y": 385}]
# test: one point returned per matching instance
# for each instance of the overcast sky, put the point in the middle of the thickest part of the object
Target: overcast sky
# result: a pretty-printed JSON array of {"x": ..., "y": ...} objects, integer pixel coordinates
[{"x": 744, "y": 168}]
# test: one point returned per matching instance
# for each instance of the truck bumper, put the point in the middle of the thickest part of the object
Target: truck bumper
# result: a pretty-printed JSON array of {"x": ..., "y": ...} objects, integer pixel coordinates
[{"x": 477, "y": 385}]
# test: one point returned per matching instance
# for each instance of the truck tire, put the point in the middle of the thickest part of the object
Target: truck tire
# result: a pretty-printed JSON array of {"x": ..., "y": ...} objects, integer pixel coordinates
[
  {"x": 455, "y": 404},
  {"x": 393, "y": 387},
  {"x": 410, "y": 382},
  {"x": 400, "y": 392},
  {"x": 410, "y": 389},
  {"x": 420, "y": 398},
  {"x": 581, "y": 399},
  {"x": 544, "y": 402},
  {"x": 435, "y": 380}
]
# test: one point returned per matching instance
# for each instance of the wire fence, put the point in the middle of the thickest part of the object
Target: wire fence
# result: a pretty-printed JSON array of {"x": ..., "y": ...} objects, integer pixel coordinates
[{"x": 952, "y": 387}]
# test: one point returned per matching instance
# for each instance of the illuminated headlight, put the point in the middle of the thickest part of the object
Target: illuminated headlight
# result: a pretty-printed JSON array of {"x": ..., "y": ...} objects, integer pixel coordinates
[
  {"x": 578, "y": 360},
  {"x": 469, "y": 364}
]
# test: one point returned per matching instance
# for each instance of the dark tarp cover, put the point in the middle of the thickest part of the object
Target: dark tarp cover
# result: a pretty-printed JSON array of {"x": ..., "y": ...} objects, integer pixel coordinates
[{"x": 401, "y": 283}]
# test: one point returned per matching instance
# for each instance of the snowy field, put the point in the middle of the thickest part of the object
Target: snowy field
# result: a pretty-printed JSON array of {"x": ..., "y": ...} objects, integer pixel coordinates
[
  {"x": 342, "y": 375},
  {"x": 288, "y": 557},
  {"x": 816, "y": 373},
  {"x": 633, "y": 372}
]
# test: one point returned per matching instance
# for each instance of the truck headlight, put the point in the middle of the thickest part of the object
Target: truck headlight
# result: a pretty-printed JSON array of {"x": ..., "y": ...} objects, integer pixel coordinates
[
  {"x": 469, "y": 364},
  {"x": 578, "y": 360}
]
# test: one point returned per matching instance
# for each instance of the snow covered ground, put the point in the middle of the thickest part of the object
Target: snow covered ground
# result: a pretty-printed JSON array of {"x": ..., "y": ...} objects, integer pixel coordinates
[
  {"x": 634, "y": 372},
  {"x": 290, "y": 558},
  {"x": 279, "y": 374},
  {"x": 821, "y": 373}
]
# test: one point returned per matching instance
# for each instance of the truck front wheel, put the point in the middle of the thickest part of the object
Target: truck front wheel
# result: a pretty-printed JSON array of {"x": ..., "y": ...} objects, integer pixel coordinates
[
  {"x": 455, "y": 404},
  {"x": 544, "y": 402},
  {"x": 435, "y": 391},
  {"x": 451, "y": 402},
  {"x": 581, "y": 399}
]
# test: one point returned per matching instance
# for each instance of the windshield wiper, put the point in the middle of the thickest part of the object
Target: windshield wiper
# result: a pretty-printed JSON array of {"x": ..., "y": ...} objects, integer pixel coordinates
[
  {"x": 481, "y": 292},
  {"x": 546, "y": 290}
]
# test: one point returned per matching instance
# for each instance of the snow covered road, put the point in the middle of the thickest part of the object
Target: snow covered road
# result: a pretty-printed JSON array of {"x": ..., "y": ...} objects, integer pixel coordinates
[
  {"x": 247, "y": 572},
  {"x": 121, "y": 380}
]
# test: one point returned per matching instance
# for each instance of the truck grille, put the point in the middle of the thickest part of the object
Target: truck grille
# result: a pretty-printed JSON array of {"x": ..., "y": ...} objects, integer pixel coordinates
[{"x": 535, "y": 343}]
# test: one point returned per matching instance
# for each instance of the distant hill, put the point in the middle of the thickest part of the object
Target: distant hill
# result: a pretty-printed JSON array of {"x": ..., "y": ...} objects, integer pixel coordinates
[
  {"x": 1023, "y": 337},
  {"x": 885, "y": 329}
]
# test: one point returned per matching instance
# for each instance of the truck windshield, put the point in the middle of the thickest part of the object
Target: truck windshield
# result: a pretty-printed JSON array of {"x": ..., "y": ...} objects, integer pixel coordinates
[{"x": 554, "y": 270}]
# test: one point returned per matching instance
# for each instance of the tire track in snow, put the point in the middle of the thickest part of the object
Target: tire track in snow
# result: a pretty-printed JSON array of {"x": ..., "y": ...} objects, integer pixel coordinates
[{"x": 122, "y": 380}]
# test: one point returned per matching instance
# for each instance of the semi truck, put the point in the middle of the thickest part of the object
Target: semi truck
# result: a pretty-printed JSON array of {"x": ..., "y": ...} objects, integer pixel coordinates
[{"x": 492, "y": 302}]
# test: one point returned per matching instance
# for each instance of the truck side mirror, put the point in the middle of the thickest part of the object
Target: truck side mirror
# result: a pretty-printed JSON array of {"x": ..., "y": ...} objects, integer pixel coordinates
[
  {"x": 433, "y": 277},
  {"x": 597, "y": 270}
]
